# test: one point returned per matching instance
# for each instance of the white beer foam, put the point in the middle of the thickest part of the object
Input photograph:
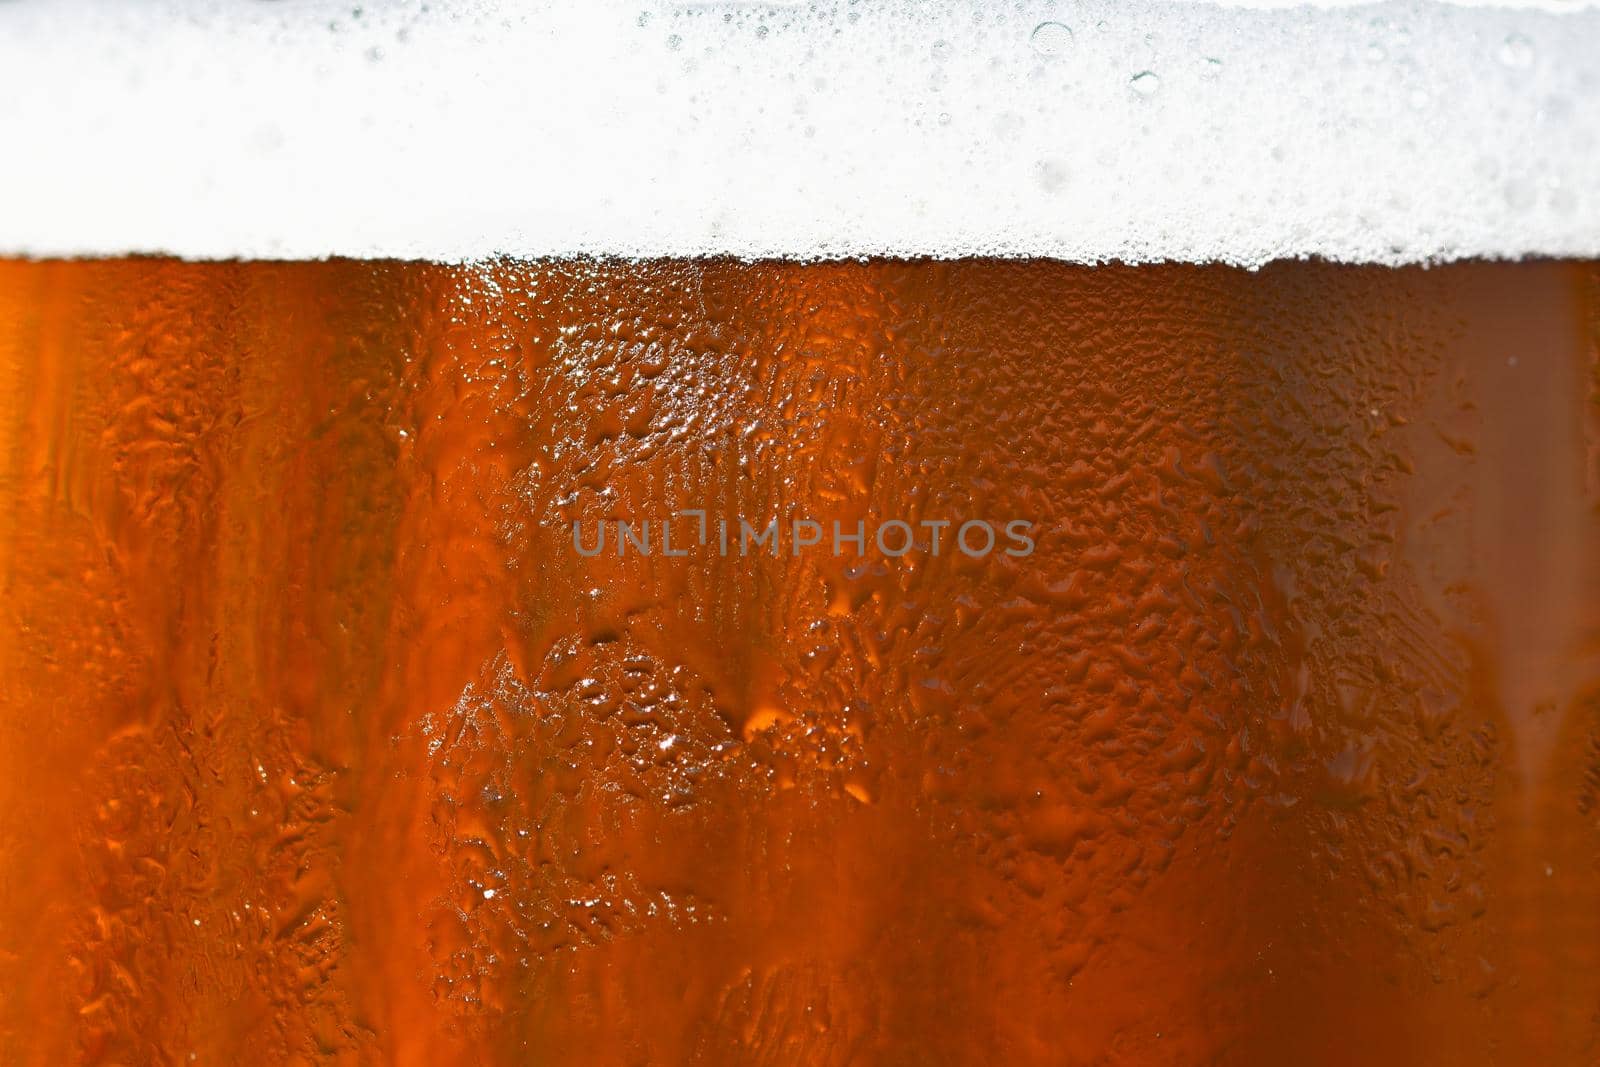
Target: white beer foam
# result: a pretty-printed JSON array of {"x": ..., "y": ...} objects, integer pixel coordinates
[{"x": 1088, "y": 131}]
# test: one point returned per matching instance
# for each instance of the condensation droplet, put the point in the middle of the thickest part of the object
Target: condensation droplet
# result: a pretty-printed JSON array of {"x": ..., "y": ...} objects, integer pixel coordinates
[
  {"x": 1145, "y": 83},
  {"x": 1051, "y": 38}
]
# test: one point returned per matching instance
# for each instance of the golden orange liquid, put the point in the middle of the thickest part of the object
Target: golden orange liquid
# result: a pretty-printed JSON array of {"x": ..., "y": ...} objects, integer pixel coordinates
[{"x": 319, "y": 743}]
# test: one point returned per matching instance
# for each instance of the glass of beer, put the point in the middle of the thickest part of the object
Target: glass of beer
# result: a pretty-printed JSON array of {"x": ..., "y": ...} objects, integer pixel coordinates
[{"x": 839, "y": 534}]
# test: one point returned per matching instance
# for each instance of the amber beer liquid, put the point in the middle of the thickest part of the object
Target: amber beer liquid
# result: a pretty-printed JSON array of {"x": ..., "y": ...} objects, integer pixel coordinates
[
  {"x": 1042, "y": 533},
  {"x": 323, "y": 745}
]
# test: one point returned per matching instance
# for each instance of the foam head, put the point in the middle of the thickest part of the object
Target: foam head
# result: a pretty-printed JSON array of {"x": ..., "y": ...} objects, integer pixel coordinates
[{"x": 1087, "y": 131}]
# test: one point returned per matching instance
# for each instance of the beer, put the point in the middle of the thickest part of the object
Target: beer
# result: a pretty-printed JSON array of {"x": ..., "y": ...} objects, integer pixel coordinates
[
  {"x": 819, "y": 657},
  {"x": 325, "y": 743}
]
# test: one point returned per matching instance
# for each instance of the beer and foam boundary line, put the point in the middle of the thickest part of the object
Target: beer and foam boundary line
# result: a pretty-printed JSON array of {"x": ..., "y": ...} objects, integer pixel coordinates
[{"x": 1087, "y": 132}]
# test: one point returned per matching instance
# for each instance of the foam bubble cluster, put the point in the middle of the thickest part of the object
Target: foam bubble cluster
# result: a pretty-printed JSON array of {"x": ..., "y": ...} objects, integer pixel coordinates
[{"x": 1089, "y": 131}]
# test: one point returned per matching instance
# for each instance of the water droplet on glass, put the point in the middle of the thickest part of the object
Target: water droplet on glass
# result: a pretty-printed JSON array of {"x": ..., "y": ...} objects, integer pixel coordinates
[
  {"x": 1145, "y": 83},
  {"x": 1051, "y": 38},
  {"x": 1516, "y": 52}
]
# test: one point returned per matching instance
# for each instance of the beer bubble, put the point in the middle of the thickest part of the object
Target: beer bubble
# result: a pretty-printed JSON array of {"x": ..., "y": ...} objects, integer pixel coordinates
[
  {"x": 1051, "y": 38},
  {"x": 1516, "y": 52},
  {"x": 1051, "y": 174},
  {"x": 1519, "y": 194},
  {"x": 1145, "y": 83}
]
